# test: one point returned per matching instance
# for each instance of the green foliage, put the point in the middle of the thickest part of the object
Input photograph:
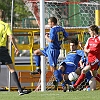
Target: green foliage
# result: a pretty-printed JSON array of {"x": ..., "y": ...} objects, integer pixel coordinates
[
  {"x": 20, "y": 11},
  {"x": 6, "y": 6}
]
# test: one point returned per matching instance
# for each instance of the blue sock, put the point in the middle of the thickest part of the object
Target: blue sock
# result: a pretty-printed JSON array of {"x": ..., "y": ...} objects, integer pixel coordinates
[
  {"x": 63, "y": 84},
  {"x": 60, "y": 71},
  {"x": 58, "y": 75},
  {"x": 66, "y": 82},
  {"x": 37, "y": 60},
  {"x": 73, "y": 82}
]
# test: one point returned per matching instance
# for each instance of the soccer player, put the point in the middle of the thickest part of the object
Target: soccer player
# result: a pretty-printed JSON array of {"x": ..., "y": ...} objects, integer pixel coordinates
[
  {"x": 55, "y": 37},
  {"x": 4, "y": 55},
  {"x": 89, "y": 78},
  {"x": 67, "y": 70},
  {"x": 92, "y": 48},
  {"x": 69, "y": 64}
]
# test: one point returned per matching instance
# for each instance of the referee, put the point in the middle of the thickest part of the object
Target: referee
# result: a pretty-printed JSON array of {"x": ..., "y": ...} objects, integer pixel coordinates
[{"x": 5, "y": 58}]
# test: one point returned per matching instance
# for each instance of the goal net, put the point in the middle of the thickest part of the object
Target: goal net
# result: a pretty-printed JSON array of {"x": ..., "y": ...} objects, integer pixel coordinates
[{"x": 70, "y": 13}]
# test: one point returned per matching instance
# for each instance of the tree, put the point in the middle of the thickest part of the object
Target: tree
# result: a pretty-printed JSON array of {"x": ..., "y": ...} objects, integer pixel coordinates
[{"x": 20, "y": 11}]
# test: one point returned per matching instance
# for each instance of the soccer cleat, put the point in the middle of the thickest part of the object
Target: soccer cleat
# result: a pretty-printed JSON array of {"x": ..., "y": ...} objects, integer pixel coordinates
[
  {"x": 27, "y": 91},
  {"x": 37, "y": 71},
  {"x": 71, "y": 88},
  {"x": 56, "y": 84},
  {"x": 22, "y": 92},
  {"x": 64, "y": 88}
]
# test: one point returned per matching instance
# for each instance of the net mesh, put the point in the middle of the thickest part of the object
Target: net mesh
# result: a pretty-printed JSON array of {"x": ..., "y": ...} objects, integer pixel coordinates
[{"x": 72, "y": 13}]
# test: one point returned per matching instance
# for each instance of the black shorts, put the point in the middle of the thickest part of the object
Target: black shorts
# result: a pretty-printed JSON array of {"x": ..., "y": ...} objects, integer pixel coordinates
[{"x": 4, "y": 56}]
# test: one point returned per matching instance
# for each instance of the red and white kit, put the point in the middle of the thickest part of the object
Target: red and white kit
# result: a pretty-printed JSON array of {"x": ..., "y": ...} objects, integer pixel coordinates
[{"x": 93, "y": 43}]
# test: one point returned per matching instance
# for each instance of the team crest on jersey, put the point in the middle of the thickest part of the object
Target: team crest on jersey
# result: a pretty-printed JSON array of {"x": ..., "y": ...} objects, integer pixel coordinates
[{"x": 93, "y": 45}]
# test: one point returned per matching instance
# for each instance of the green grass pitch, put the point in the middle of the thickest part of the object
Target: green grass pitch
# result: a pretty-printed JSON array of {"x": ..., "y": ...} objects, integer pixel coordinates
[{"x": 52, "y": 95}]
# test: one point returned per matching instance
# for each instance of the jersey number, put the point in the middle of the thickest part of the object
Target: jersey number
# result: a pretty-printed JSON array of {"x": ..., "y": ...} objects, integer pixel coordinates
[{"x": 60, "y": 36}]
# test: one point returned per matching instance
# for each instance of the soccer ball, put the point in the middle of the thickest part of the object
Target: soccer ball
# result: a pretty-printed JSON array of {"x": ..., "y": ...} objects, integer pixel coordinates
[{"x": 72, "y": 76}]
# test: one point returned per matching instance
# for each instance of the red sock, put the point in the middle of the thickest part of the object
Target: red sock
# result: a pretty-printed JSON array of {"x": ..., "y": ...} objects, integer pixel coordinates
[
  {"x": 98, "y": 78},
  {"x": 80, "y": 79}
]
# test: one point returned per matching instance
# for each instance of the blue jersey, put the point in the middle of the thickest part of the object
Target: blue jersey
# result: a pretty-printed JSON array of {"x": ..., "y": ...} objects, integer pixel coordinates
[
  {"x": 74, "y": 57},
  {"x": 57, "y": 33},
  {"x": 52, "y": 51},
  {"x": 71, "y": 61},
  {"x": 85, "y": 61}
]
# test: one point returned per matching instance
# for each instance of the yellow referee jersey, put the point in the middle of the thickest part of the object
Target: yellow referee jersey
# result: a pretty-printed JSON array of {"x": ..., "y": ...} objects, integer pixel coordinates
[{"x": 4, "y": 31}]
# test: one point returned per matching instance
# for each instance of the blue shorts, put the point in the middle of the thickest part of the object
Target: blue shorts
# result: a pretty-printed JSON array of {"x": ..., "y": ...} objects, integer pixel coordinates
[
  {"x": 52, "y": 55},
  {"x": 68, "y": 67}
]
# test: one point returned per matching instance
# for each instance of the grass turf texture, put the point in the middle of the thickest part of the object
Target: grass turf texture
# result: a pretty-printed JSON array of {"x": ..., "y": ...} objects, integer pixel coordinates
[{"x": 52, "y": 95}]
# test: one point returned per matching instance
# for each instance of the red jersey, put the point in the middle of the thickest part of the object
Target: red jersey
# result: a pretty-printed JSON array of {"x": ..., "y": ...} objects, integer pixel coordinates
[{"x": 93, "y": 43}]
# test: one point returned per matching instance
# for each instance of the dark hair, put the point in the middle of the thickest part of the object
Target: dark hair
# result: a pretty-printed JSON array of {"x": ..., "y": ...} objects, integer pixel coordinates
[
  {"x": 74, "y": 40},
  {"x": 2, "y": 14},
  {"x": 53, "y": 19},
  {"x": 94, "y": 28}
]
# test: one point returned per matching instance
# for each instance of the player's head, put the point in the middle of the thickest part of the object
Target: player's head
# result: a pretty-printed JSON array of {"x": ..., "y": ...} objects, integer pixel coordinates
[
  {"x": 93, "y": 30},
  {"x": 73, "y": 44},
  {"x": 2, "y": 14},
  {"x": 52, "y": 21}
]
